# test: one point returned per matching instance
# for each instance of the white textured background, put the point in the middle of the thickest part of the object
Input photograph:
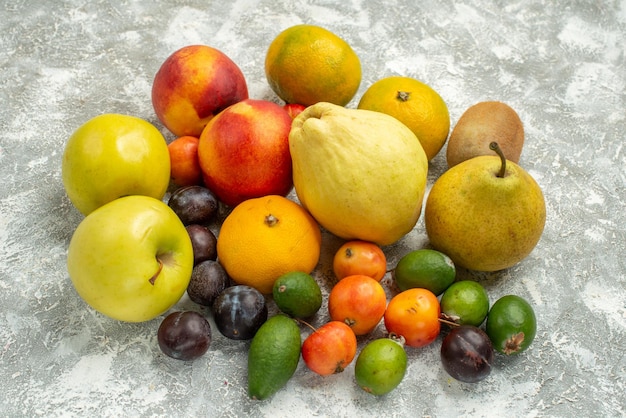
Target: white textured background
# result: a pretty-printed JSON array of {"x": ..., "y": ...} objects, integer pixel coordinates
[{"x": 560, "y": 64}]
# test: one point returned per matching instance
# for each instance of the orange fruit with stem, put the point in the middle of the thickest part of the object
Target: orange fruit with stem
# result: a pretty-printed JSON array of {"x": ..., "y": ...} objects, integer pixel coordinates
[
  {"x": 415, "y": 104},
  {"x": 360, "y": 257},
  {"x": 266, "y": 237},
  {"x": 330, "y": 348},
  {"x": 414, "y": 315},
  {"x": 359, "y": 301}
]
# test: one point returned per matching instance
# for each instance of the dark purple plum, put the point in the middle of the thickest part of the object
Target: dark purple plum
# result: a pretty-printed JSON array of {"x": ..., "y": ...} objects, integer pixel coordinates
[
  {"x": 184, "y": 335},
  {"x": 194, "y": 204},
  {"x": 204, "y": 243},
  {"x": 208, "y": 280},
  {"x": 239, "y": 311},
  {"x": 467, "y": 354}
]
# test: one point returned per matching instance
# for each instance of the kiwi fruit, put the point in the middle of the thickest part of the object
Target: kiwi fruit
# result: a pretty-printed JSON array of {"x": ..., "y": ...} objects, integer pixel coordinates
[{"x": 481, "y": 124}]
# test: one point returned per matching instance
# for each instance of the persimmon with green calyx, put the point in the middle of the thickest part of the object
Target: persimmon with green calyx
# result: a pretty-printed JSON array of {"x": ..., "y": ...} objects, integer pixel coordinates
[{"x": 511, "y": 324}]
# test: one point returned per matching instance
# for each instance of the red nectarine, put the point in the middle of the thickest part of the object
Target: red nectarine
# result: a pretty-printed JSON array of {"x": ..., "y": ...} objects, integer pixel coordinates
[
  {"x": 194, "y": 84},
  {"x": 244, "y": 152}
]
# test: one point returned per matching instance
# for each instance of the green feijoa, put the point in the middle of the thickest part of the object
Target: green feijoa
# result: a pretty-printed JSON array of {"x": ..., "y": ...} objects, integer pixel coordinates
[
  {"x": 273, "y": 356},
  {"x": 297, "y": 294},
  {"x": 465, "y": 302},
  {"x": 380, "y": 366},
  {"x": 425, "y": 268},
  {"x": 511, "y": 324}
]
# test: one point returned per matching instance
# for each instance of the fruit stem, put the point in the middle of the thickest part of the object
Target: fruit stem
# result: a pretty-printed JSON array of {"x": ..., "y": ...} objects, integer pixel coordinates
[
  {"x": 403, "y": 96},
  {"x": 305, "y": 323},
  {"x": 398, "y": 339},
  {"x": 271, "y": 220},
  {"x": 155, "y": 275},
  {"x": 449, "y": 323},
  {"x": 495, "y": 147}
]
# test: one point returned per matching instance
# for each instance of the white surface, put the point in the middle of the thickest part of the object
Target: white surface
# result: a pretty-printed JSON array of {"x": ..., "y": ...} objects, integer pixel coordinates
[{"x": 560, "y": 64}]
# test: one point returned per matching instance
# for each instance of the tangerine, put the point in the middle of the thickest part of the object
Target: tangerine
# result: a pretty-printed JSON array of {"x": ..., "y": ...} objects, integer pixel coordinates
[
  {"x": 266, "y": 237},
  {"x": 307, "y": 64},
  {"x": 415, "y": 104}
]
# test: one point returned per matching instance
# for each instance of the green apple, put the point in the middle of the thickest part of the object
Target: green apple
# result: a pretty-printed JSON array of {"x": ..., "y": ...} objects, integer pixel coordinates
[
  {"x": 131, "y": 259},
  {"x": 111, "y": 156}
]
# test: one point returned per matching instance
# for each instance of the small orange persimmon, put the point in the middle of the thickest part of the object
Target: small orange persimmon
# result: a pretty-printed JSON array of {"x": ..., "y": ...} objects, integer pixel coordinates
[
  {"x": 414, "y": 314},
  {"x": 359, "y": 301},
  {"x": 360, "y": 257},
  {"x": 330, "y": 348}
]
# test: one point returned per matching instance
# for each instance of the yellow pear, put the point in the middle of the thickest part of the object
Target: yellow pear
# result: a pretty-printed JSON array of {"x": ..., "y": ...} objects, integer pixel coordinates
[
  {"x": 361, "y": 174},
  {"x": 485, "y": 213}
]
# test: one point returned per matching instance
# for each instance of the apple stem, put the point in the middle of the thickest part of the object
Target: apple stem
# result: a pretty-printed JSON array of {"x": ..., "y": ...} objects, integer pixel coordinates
[
  {"x": 495, "y": 147},
  {"x": 403, "y": 96},
  {"x": 155, "y": 275}
]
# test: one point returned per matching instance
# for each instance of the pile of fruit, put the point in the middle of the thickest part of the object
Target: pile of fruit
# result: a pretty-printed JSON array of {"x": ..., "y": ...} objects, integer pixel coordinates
[{"x": 360, "y": 174}]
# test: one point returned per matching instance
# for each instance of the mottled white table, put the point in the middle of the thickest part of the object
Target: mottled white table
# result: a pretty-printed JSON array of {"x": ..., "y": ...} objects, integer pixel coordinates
[{"x": 560, "y": 64}]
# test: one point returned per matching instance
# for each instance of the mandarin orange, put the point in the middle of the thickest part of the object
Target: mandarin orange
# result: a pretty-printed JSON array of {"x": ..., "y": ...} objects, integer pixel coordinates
[
  {"x": 307, "y": 64},
  {"x": 266, "y": 237},
  {"x": 415, "y": 104}
]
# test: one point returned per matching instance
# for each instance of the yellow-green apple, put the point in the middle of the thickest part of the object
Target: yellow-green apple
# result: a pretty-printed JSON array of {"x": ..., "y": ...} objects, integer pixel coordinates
[
  {"x": 244, "y": 152},
  {"x": 131, "y": 259},
  {"x": 184, "y": 161},
  {"x": 114, "y": 155},
  {"x": 194, "y": 84}
]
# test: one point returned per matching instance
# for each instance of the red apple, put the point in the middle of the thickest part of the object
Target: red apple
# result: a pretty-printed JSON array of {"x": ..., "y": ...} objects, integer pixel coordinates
[
  {"x": 194, "y": 84},
  {"x": 330, "y": 349},
  {"x": 244, "y": 152},
  {"x": 294, "y": 109},
  {"x": 184, "y": 161}
]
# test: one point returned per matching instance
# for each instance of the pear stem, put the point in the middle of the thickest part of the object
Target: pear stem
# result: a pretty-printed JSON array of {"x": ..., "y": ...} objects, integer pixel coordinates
[{"x": 495, "y": 147}]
